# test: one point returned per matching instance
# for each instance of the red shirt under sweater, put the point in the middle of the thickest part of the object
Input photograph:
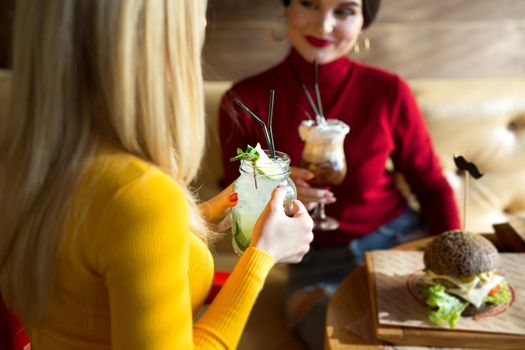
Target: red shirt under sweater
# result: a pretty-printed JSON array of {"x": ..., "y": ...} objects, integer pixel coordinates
[{"x": 385, "y": 122}]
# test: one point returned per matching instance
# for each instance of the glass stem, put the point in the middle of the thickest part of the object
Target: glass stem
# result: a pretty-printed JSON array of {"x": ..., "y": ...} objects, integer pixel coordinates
[
  {"x": 322, "y": 214},
  {"x": 319, "y": 213}
]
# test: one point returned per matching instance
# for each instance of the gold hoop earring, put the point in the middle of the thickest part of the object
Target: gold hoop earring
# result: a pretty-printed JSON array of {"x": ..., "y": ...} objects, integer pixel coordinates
[
  {"x": 278, "y": 30},
  {"x": 359, "y": 54},
  {"x": 368, "y": 44},
  {"x": 357, "y": 48}
]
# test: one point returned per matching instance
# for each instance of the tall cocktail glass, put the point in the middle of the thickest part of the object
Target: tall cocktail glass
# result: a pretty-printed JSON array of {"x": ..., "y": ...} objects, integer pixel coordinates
[
  {"x": 324, "y": 156},
  {"x": 254, "y": 187}
]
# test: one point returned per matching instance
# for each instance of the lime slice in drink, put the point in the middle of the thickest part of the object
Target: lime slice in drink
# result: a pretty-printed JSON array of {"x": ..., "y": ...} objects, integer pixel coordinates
[{"x": 266, "y": 166}]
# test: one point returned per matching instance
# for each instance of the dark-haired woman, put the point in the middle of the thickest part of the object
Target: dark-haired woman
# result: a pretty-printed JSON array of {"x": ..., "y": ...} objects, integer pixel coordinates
[{"x": 385, "y": 124}]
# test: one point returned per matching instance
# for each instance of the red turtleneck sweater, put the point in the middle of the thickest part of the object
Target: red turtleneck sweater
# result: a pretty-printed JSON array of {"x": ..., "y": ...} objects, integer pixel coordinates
[{"x": 385, "y": 122}]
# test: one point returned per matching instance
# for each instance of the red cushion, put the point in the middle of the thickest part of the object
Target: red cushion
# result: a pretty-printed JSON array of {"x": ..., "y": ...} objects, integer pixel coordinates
[
  {"x": 12, "y": 334},
  {"x": 219, "y": 278}
]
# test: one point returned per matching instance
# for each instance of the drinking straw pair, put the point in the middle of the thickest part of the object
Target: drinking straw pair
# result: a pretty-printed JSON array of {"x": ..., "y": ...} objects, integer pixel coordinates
[
  {"x": 318, "y": 110},
  {"x": 267, "y": 128}
]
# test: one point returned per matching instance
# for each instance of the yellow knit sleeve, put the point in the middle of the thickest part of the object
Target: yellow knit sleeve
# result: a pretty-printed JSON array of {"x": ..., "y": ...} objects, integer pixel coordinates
[
  {"x": 143, "y": 257},
  {"x": 221, "y": 326}
]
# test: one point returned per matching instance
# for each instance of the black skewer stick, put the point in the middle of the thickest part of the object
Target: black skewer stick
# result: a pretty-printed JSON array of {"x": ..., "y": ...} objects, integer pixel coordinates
[
  {"x": 467, "y": 168},
  {"x": 305, "y": 90},
  {"x": 270, "y": 119},
  {"x": 317, "y": 92},
  {"x": 464, "y": 165}
]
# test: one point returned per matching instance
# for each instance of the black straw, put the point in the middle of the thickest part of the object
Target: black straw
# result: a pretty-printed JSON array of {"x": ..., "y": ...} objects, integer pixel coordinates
[
  {"x": 253, "y": 115},
  {"x": 317, "y": 92},
  {"x": 305, "y": 90},
  {"x": 308, "y": 115},
  {"x": 269, "y": 140},
  {"x": 270, "y": 118}
]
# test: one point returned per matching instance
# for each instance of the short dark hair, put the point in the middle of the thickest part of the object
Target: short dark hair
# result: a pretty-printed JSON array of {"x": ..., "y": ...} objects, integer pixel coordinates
[{"x": 370, "y": 10}]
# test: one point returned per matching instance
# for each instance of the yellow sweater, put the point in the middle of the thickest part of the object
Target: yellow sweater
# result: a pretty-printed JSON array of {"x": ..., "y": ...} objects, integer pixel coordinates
[{"x": 130, "y": 275}]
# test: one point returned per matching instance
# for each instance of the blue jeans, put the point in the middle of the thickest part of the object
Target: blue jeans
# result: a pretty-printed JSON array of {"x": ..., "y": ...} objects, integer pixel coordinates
[
  {"x": 406, "y": 227},
  {"x": 313, "y": 281}
]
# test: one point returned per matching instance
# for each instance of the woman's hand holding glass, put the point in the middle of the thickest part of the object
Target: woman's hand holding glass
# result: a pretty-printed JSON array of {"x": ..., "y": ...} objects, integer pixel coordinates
[
  {"x": 217, "y": 210},
  {"x": 308, "y": 195},
  {"x": 285, "y": 236}
]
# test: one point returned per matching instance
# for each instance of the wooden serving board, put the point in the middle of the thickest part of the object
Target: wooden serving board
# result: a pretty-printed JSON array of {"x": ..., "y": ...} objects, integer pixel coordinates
[{"x": 442, "y": 337}]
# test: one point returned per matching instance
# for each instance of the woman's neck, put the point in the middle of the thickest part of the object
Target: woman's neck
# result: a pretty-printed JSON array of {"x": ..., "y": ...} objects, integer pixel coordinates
[{"x": 331, "y": 73}]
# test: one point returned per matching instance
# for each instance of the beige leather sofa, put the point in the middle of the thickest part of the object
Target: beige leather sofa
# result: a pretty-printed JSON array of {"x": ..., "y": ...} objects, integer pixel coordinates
[
  {"x": 483, "y": 120},
  {"x": 4, "y": 91}
]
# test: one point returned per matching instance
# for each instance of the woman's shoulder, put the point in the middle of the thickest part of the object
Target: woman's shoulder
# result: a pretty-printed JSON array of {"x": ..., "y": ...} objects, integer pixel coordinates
[
  {"x": 112, "y": 171},
  {"x": 123, "y": 205},
  {"x": 381, "y": 80},
  {"x": 378, "y": 74}
]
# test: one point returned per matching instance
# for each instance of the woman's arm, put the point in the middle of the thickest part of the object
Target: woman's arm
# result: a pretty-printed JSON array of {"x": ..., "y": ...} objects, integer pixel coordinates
[
  {"x": 415, "y": 158},
  {"x": 143, "y": 257},
  {"x": 145, "y": 264}
]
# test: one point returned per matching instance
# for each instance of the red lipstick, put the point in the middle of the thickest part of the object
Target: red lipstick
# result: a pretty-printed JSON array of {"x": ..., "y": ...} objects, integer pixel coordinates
[{"x": 318, "y": 42}]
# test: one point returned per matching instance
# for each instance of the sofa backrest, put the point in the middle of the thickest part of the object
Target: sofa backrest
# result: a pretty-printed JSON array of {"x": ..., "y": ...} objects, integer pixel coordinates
[
  {"x": 4, "y": 91},
  {"x": 483, "y": 120}
]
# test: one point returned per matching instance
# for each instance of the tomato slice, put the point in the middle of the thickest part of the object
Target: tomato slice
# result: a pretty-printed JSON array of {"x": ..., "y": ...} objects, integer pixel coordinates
[{"x": 495, "y": 290}]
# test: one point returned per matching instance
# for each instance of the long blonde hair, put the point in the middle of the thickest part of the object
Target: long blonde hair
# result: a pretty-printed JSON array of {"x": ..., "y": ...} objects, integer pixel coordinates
[{"x": 85, "y": 70}]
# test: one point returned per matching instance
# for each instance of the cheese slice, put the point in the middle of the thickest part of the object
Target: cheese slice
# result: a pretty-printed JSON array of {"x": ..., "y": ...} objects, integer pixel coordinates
[
  {"x": 473, "y": 291},
  {"x": 432, "y": 278},
  {"x": 477, "y": 295}
]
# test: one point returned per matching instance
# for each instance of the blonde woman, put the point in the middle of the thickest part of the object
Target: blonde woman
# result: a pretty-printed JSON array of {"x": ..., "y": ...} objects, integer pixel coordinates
[{"x": 102, "y": 245}]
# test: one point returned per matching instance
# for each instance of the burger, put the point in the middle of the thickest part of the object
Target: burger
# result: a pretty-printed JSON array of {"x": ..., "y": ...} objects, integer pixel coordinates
[{"x": 460, "y": 277}]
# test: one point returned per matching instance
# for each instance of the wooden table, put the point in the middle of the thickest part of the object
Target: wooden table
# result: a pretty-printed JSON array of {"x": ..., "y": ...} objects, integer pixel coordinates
[{"x": 350, "y": 305}]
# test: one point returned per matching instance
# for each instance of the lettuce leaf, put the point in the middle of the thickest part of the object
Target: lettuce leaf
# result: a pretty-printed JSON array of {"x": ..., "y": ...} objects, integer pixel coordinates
[
  {"x": 501, "y": 297},
  {"x": 443, "y": 307}
]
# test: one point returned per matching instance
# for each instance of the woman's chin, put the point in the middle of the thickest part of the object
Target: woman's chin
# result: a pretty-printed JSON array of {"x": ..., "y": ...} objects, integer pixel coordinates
[{"x": 322, "y": 56}]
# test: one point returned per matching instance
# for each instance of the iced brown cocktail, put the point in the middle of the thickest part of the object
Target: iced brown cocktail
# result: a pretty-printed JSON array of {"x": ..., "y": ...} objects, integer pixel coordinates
[
  {"x": 327, "y": 172},
  {"x": 324, "y": 156}
]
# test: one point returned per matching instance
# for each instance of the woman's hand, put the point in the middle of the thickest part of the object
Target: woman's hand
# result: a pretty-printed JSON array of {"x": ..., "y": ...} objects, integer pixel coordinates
[
  {"x": 217, "y": 210},
  {"x": 285, "y": 238},
  {"x": 310, "y": 196}
]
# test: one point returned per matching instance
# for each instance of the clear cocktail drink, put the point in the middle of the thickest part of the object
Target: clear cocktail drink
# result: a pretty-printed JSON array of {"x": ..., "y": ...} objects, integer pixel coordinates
[{"x": 254, "y": 187}]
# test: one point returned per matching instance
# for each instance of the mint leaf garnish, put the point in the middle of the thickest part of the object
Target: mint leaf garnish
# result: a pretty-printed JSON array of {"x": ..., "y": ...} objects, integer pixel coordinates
[{"x": 250, "y": 154}]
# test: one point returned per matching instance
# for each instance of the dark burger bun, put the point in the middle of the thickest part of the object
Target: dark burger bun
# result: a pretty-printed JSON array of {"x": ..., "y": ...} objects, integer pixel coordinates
[
  {"x": 472, "y": 310},
  {"x": 459, "y": 253}
]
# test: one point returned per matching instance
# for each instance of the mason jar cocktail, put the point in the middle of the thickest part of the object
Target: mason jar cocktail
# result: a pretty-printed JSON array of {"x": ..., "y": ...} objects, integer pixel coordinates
[{"x": 254, "y": 187}]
